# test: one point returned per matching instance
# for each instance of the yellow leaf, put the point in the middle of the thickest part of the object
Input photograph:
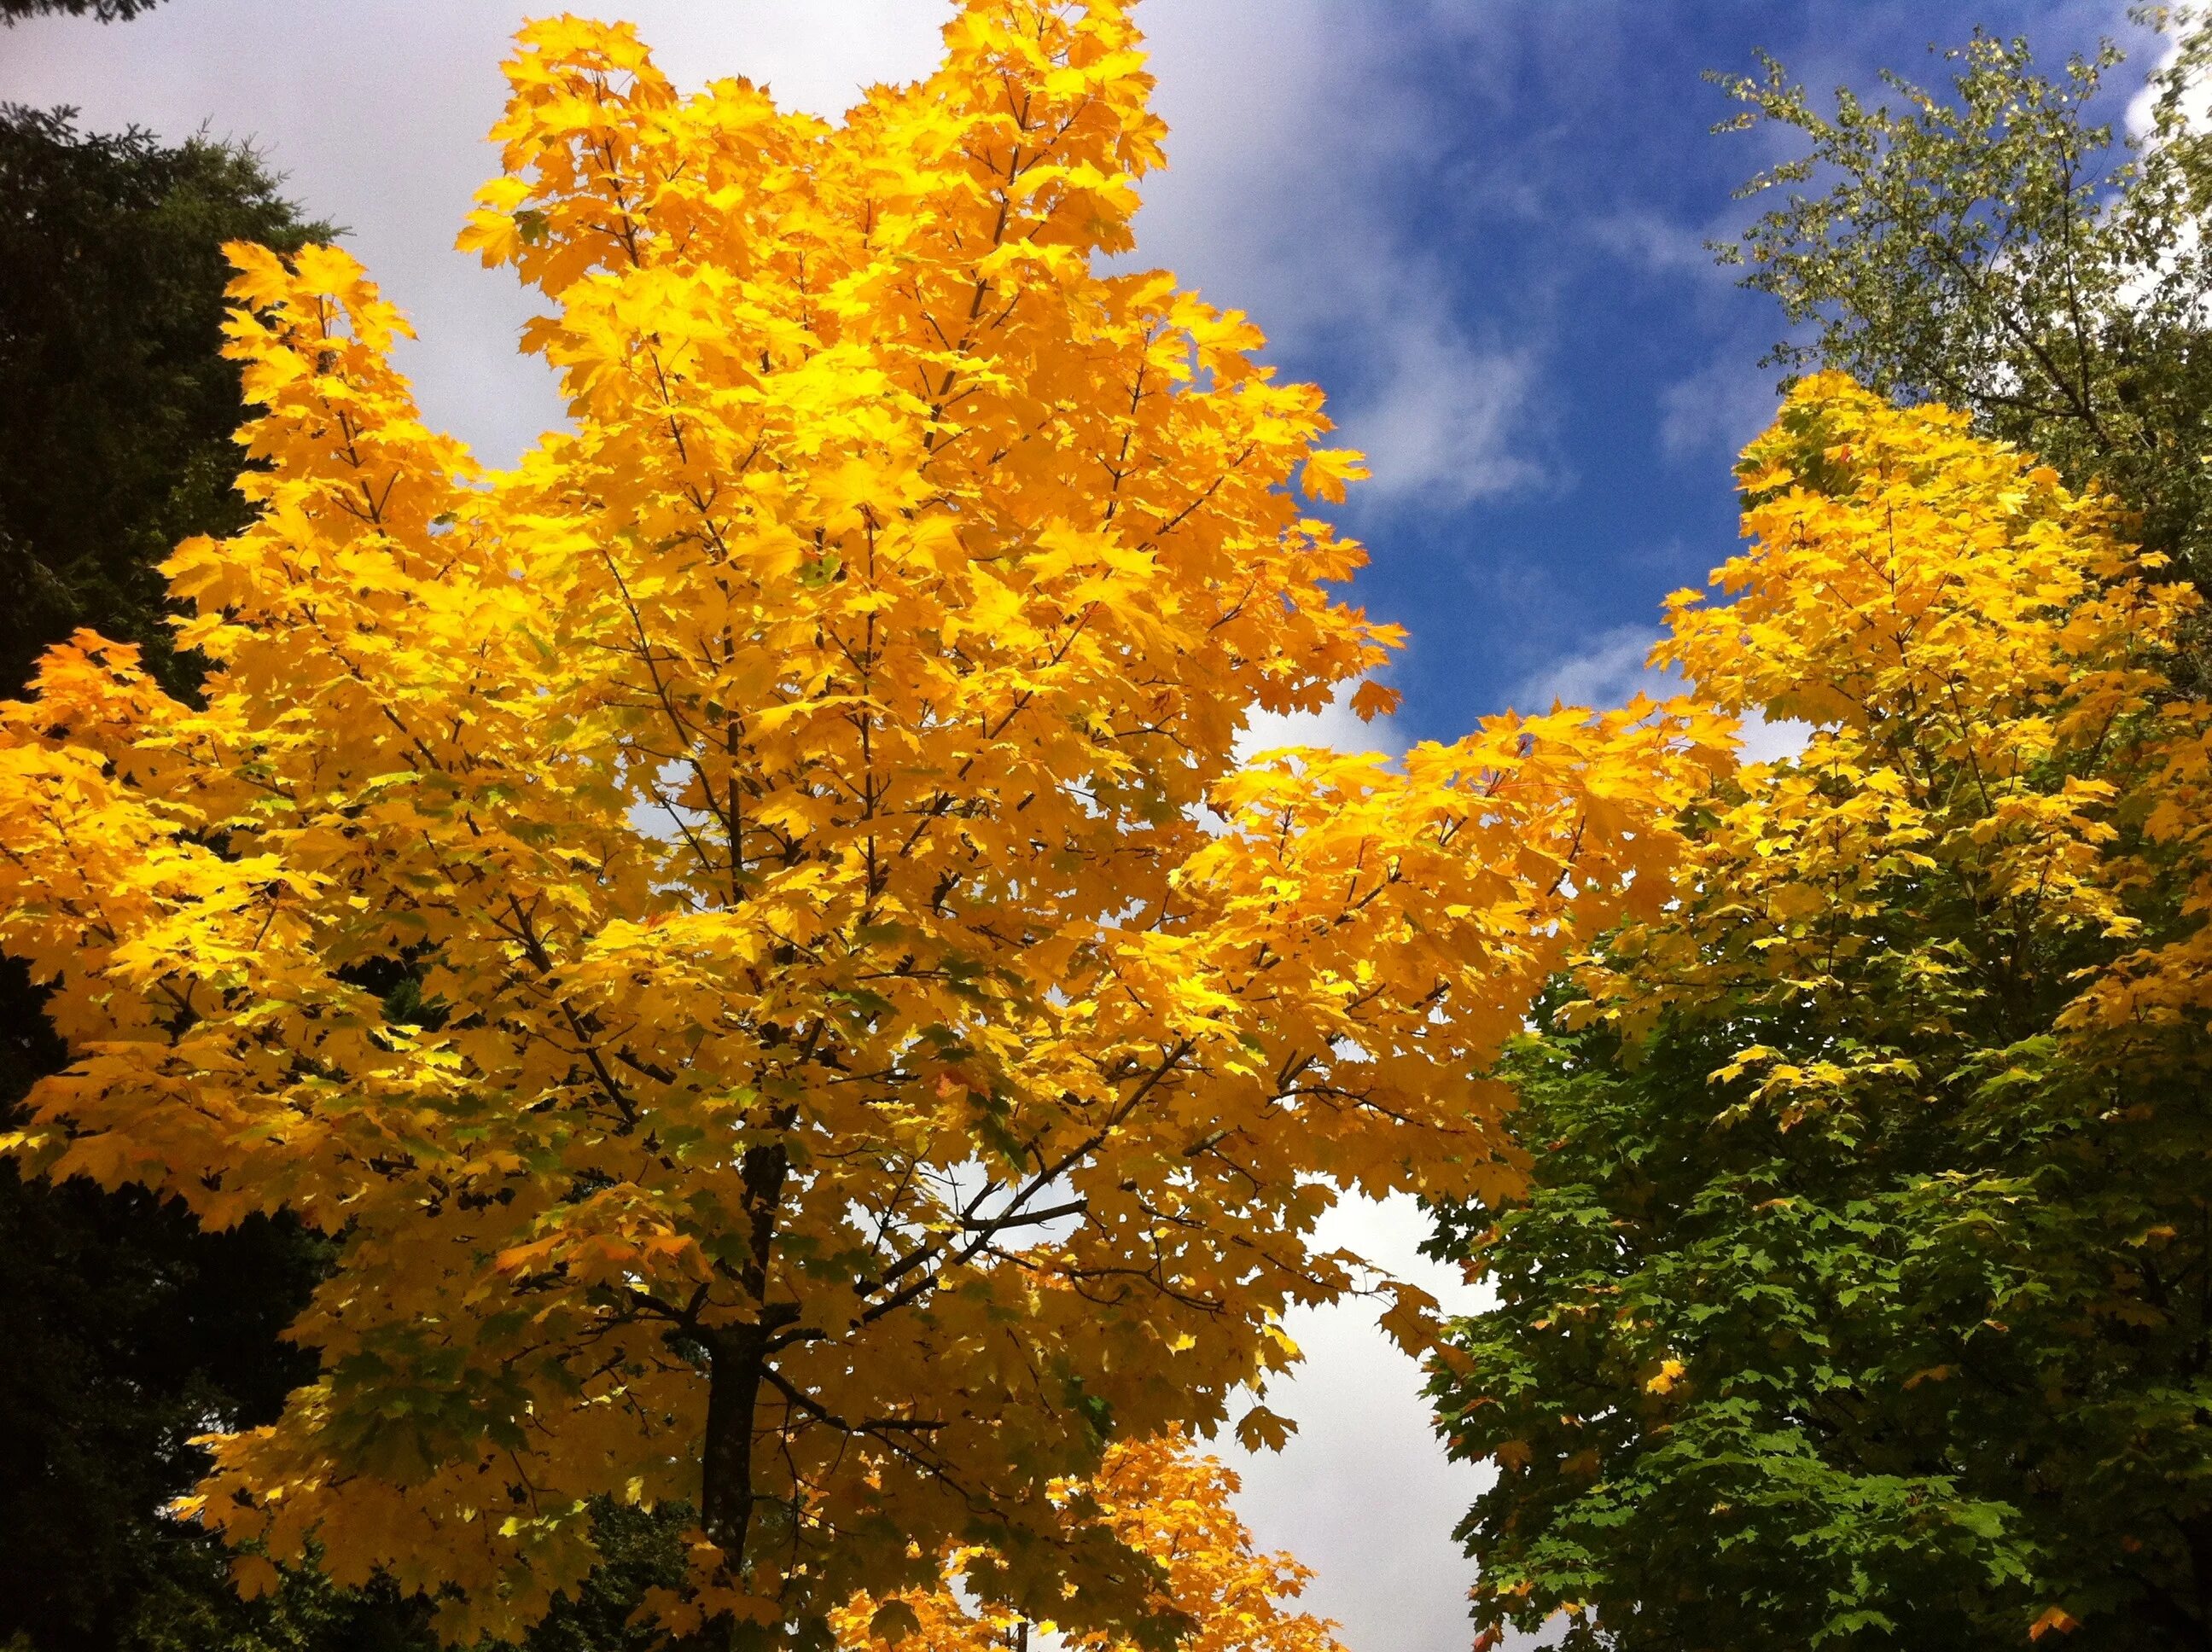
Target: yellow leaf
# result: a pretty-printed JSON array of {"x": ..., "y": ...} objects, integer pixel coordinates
[{"x": 1262, "y": 1430}]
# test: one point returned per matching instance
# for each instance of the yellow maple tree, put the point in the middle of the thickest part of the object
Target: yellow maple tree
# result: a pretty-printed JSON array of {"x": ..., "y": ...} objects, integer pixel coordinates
[
  {"x": 748, "y": 928},
  {"x": 1170, "y": 1503},
  {"x": 1982, "y": 661}
]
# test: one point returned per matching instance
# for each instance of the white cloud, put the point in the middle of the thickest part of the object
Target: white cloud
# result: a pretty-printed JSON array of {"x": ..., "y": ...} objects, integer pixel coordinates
[
  {"x": 1364, "y": 1492},
  {"x": 1765, "y": 741},
  {"x": 1717, "y": 408},
  {"x": 1335, "y": 726},
  {"x": 1442, "y": 423},
  {"x": 816, "y": 55},
  {"x": 1607, "y": 671},
  {"x": 380, "y": 127},
  {"x": 1285, "y": 129}
]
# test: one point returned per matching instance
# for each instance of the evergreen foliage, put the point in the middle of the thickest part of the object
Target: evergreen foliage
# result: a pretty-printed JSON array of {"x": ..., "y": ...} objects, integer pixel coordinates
[
  {"x": 131, "y": 1330},
  {"x": 117, "y": 410}
]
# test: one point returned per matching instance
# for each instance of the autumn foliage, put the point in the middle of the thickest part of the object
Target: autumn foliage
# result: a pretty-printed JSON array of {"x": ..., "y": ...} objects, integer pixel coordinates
[
  {"x": 1860, "y": 1297},
  {"x": 1980, "y": 654},
  {"x": 1169, "y": 1504},
  {"x": 747, "y": 929}
]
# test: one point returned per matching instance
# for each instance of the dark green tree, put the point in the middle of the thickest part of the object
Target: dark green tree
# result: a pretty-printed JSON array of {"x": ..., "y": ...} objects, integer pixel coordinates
[
  {"x": 129, "y": 1329},
  {"x": 116, "y": 408}
]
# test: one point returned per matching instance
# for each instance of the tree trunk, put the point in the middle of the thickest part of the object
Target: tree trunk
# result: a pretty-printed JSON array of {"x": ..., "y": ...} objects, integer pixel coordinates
[
  {"x": 726, "y": 1498},
  {"x": 737, "y": 1354}
]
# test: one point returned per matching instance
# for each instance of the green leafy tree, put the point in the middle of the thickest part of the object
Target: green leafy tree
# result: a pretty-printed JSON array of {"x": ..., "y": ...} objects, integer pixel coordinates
[
  {"x": 1997, "y": 251},
  {"x": 1860, "y": 1295}
]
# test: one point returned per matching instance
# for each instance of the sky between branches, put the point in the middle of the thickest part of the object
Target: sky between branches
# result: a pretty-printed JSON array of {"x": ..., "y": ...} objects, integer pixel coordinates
[{"x": 1477, "y": 224}]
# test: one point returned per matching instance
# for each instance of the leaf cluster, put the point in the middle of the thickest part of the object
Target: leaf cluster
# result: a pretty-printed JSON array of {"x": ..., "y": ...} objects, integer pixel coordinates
[
  {"x": 1171, "y": 1505},
  {"x": 1860, "y": 1295},
  {"x": 1990, "y": 246}
]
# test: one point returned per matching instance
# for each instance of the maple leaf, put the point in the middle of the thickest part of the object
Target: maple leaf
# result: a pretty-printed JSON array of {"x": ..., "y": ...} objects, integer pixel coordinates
[
  {"x": 2051, "y": 1619},
  {"x": 1262, "y": 1430},
  {"x": 1664, "y": 1379},
  {"x": 1371, "y": 700}
]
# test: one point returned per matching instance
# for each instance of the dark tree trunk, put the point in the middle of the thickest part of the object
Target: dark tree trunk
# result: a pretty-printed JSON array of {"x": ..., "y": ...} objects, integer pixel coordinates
[
  {"x": 738, "y": 1356},
  {"x": 726, "y": 1498}
]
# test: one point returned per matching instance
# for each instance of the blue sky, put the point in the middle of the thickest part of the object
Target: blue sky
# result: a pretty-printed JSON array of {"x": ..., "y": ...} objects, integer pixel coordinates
[
  {"x": 1481, "y": 228},
  {"x": 1477, "y": 224}
]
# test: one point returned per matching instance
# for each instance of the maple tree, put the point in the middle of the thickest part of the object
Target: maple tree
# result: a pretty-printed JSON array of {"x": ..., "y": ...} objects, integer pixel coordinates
[
  {"x": 747, "y": 930},
  {"x": 1859, "y": 1298},
  {"x": 1170, "y": 1503}
]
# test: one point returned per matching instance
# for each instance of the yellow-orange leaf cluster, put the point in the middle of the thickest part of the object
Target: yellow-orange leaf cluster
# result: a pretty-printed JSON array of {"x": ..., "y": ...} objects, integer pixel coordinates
[
  {"x": 1170, "y": 1505},
  {"x": 721, "y": 922},
  {"x": 1982, "y": 663}
]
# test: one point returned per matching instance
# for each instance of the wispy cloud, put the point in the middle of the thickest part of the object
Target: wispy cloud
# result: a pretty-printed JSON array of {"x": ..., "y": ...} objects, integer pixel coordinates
[
  {"x": 1288, "y": 139},
  {"x": 1446, "y": 419},
  {"x": 1717, "y": 408},
  {"x": 1654, "y": 242},
  {"x": 1607, "y": 670}
]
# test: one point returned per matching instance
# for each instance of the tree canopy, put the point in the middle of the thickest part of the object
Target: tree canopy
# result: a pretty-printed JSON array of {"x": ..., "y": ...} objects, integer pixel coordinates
[
  {"x": 721, "y": 924},
  {"x": 1860, "y": 1295},
  {"x": 1994, "y": 248}
]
